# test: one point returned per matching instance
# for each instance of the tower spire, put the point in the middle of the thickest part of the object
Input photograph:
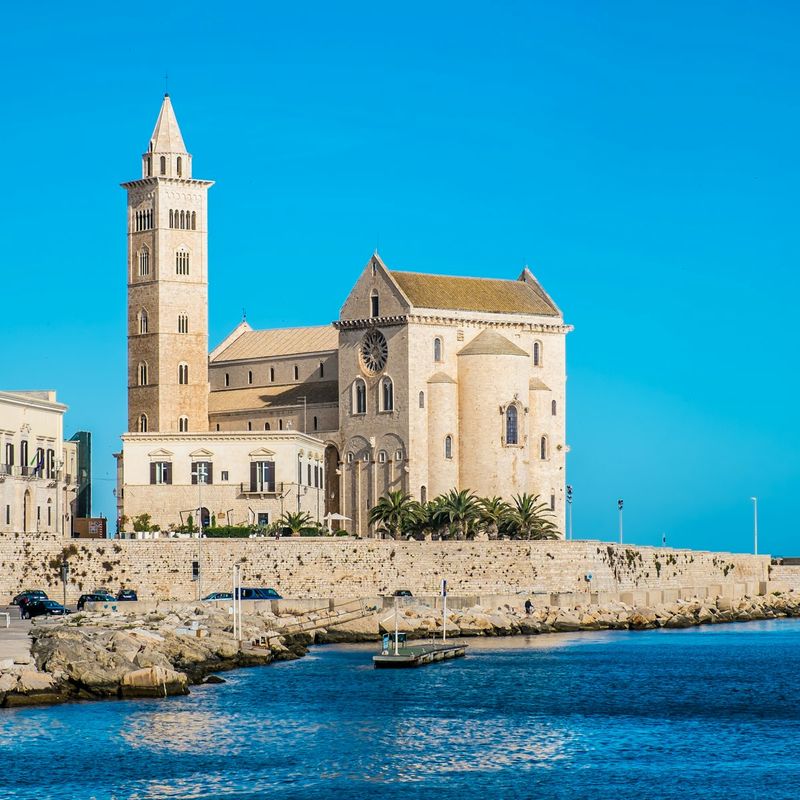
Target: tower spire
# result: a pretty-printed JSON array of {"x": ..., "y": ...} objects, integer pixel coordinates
[{"x": 166, "y": 154}]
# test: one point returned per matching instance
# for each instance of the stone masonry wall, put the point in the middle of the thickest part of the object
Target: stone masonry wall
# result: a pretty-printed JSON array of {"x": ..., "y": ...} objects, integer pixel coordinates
[{"x": 347, "y": 568}]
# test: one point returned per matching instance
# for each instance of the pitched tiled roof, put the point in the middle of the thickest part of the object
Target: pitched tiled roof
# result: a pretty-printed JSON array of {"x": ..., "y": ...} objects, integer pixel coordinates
[
  {"x": 491, "y": 343},
  {"x": 440, "y": 377},
  {"x": 280, "y": 342},
  {"x": 254, "y": 398},
  {"x": 473, "y": 294}
]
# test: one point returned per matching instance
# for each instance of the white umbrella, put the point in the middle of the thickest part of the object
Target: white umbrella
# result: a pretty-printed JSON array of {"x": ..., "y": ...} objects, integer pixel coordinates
[{"x": 337, "y": 517}]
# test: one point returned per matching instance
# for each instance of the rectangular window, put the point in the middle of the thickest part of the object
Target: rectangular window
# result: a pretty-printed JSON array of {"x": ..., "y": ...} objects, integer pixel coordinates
[
  {"x": 202, "y": 472},
  {"x": 49, "y": 517},
  {"x": 8, "y": 515},
  {"x": 223, "y": 476},
  {"x": 181, "y": 263},
  {"x": 309, "y": 474},
  {"x": 262, "y": 476},
  {"x": 263, "y": 518},
  {"x": 552, "y": 502},
  {"x": 299, "y": 472},
  {"x": 160, "y": 472}
]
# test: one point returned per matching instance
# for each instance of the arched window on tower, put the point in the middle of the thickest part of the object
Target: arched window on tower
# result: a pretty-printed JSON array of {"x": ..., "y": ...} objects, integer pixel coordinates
[
  {"x": 296, "y": 372},
  {"x": 148, "y": 167},
  {"x": 179, "y": 164},
  {"x": 183, "y": 374},
  {"x": 171, "y": 218},
  {"x": 143, "y": 423},
  {"x": 512, "y": 427},
  {"x": 359, "y": 396},
  {"x": 537, "y": 354},
  {"x": 316, "y": 424},
  {"x": 422, "y": 399},
  {"x": 163, "y": 165},
  {"x": 183, "y": 219},
  {"x": 144, "y": 262},
  {"x": 143, "y": 321},
  {"x": 182, "y": 261},
  {"x": 266, "y": 426},
  {"x": 183, "y": 424},
  {"x": 374, "y": 304},
  {"x": 437, "y": 349},
  {"x": 142, "y": 373},
  {"x": 227, "y": 379},
  {"x": 448, "y": 447},
  {"x": 553, "y": 408},
  {"x": 387, "y": 395},
  {"x": 543, "y": 450},
  {"x": 183, "y": 323},
  {"x": 250, "y": 376},
  {"x": 194, "y": 220},
  {"x": 272, "y": 374}
]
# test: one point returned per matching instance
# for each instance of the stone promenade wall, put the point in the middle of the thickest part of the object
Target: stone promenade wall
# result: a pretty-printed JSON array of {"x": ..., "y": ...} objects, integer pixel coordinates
[
  {"x": 347, "y": 568},
  {"x": 788, "y": 575}
]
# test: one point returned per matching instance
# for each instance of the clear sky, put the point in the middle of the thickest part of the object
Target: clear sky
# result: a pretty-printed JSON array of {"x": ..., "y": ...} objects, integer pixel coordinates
[{"x": 641, "y": 157}]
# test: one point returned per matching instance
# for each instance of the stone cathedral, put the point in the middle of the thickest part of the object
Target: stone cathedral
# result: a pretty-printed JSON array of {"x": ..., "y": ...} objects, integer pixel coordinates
[{"x": 423, "y": 383}]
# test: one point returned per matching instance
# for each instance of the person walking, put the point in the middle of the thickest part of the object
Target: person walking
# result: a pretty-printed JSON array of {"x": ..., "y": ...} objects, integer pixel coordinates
[{"x": 528, "y": 606}]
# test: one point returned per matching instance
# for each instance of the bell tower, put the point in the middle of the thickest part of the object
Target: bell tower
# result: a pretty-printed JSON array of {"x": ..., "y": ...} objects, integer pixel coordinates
[{"x": 167, "y": 287}]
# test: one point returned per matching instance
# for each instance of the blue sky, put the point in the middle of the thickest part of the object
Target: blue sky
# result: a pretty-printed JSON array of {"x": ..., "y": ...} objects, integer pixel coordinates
[{"x": 642, "y": 158}]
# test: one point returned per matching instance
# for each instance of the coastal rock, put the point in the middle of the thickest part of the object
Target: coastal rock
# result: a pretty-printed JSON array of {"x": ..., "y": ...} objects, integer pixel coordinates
[
  {"x": 154, "y": 682},
  {"x": 566, "y": 621}
]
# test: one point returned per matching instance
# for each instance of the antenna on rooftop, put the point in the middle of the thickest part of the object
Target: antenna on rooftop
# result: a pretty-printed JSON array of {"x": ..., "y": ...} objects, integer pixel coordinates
[
  {"x": 166, "y": 84},
  {"x": 244, "y": 315}
]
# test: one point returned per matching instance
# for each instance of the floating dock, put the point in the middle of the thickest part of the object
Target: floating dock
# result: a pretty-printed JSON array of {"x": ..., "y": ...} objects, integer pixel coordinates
[{"x": 417, "y": 655}]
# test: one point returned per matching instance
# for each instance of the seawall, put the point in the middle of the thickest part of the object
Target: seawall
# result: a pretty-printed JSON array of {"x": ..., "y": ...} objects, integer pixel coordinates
[{"x": 348, "y": 568}]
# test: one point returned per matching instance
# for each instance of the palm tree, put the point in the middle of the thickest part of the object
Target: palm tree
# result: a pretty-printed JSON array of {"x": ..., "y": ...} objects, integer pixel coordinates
[
  {"x": 493, "y": 512},
  {"x": 459, "y": 511},
  {"x": 394, "y": 513},
  {"x": 295, "y": 521},
  {"x": 530, "y": 519}
]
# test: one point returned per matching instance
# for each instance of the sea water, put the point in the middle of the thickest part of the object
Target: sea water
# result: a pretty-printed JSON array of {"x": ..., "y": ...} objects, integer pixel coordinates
[{"x": 708, "y": 712}]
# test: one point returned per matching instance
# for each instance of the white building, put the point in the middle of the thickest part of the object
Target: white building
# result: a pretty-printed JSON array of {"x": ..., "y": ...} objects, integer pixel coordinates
[{"x": 37, "y": 488}]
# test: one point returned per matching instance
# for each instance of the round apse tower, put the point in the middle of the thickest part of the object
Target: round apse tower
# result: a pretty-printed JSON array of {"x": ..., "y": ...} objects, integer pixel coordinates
[{"x": 493, "y": 378}]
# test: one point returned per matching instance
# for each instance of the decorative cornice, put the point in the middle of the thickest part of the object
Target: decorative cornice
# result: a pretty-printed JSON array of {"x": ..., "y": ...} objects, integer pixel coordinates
[
  {"x": 370, "y": 322},
  {"x": 155, "y": 179},
  {"x": 460, "y": 322},
  {"x": 221, "y": 436}
]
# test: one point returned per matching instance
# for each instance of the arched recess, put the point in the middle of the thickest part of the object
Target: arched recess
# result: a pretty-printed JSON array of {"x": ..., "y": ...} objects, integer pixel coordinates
[
  {"x": 332, "y": 486},
  {"x": 27, "y": 511}
]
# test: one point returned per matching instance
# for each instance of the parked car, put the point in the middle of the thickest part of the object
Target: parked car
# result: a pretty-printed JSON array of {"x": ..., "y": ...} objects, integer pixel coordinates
[
  {"x": 95, "y": 597},
  {"x": 248, "y": 593},
  {"x": 217, "y": 596},
  {"x": 126, "y": 594},
  {"x": 43, "y": 608},
  {"x": 28, "y": 595},
  {"x": 402, "y": 593}
]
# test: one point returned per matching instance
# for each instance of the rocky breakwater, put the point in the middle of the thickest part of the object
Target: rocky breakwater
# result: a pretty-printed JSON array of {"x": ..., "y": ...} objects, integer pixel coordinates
[
  {"x": 92, "y": 655},
  {"x": 418, "y": 620}
]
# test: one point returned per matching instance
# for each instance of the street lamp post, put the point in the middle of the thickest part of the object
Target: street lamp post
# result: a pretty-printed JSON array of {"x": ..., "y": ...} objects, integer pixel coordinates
[
  {"x": 755, "y": 525},
  {"x": 201, "y": 479},
  {"x": 620, "y": 505},
  {"x": 569, "y": 511}
]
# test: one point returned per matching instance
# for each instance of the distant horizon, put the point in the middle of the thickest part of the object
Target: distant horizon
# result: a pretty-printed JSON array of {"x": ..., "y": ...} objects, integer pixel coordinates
[{"x": 641, "y": 161}]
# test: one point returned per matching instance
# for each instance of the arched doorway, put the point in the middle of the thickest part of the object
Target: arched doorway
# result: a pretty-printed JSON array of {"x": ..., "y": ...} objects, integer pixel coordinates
[
  {"x": 205, "y": 516},
  {"x": 27, "y": 511},
  {"x": 332, "y": 504}
]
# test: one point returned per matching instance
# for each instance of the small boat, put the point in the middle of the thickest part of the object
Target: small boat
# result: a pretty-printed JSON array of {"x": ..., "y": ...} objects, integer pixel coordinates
[{"x": 399, "y": 654}]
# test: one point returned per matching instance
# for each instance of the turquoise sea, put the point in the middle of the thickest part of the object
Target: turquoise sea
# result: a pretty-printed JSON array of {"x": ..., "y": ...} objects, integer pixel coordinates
[{"x": 709, "y": 712}]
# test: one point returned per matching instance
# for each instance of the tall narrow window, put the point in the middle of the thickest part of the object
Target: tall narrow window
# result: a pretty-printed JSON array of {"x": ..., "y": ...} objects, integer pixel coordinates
[
  {"x": 316, "y": 423},
  {"x": 280, "y": 424},
  {"x": 553, "y": 408},
  {"x": 266, "y": 426},
  {"x": 512, "y": 432},
  {"x": 143, "y": 321},
  {"x": 359, "y": 397},
  {"x": 194, "y": 220},
  {"x": 171, "y": 219},
  {"x": 183, "y": 424},
  {"x": 148, "y": 167},
  {"x": 183, "y": 374},
  {"x": 227, "y": 379},
  {"x": 50, "y": 463},
  {"x": 296, "y": 372},
  {"x": 160, "y": 472},
  {"x": 552, "y": 502},
  {"x": 437, "y": 349},
  {"x": 262, "y": 476},
  {"x": 163, "y": 165},
  {"x": 272, "y": 374},
  {"x": 9, "y": 455},
  {"x": 423, "y": 494},
  {"x": 448, "y": 446},
  {"x": 537, "y": 354},
  {"x": 23, "y": 456},
  {"x": 543, "y": 448},
  {"x": 387, "y": 395},
  {"x": 422, "y": 399},
  {"x": 249, "y": 425},
  {"x": 182, "y": 262},
  {"x": 321, "y": 370},
  {"x": 144, "y": 262},
  {"x": 143, "y": 423},
  {"x": 179, "y": 166},
  {"x": 142, "y": 374},
  {"x": 250, "y": 376},
  {"x": 374, "y": 304},
  {"x": 183, "y": 323}
]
